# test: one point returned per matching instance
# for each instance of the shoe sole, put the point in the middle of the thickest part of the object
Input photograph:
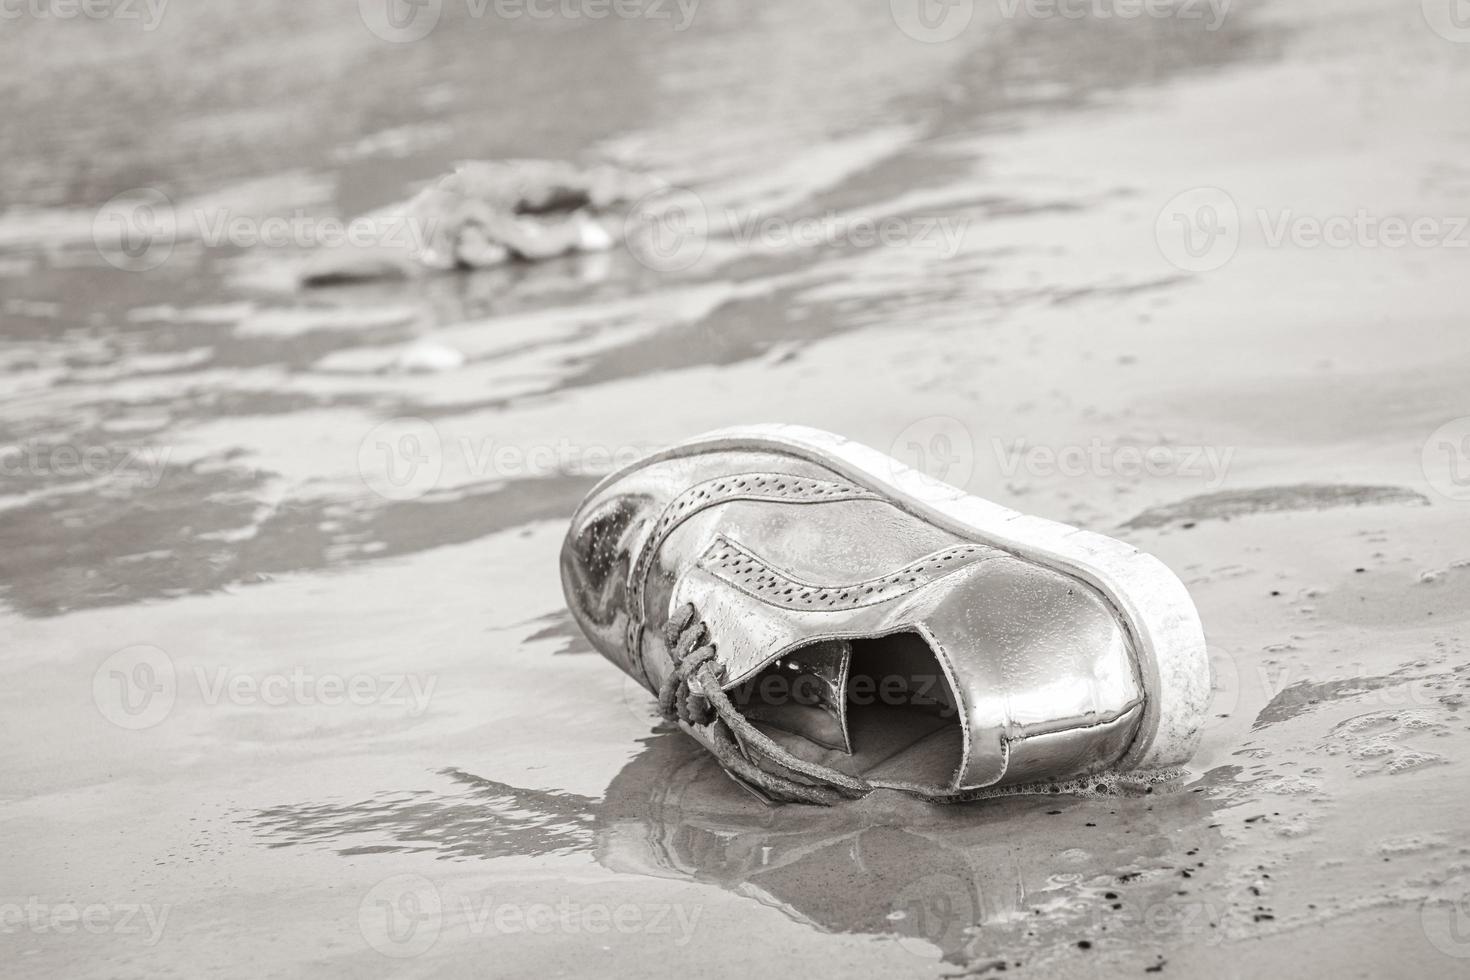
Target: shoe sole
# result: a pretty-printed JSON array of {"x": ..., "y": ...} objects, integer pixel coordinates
[{"x": 1150, "y": 600}]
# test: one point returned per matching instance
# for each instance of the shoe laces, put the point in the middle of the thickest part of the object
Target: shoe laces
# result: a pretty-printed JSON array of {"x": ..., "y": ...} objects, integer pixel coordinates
[{"x": 693, "y": 696}]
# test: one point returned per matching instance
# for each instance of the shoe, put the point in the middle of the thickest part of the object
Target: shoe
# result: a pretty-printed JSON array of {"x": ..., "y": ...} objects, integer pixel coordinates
[{"x": 828, "y": 622}]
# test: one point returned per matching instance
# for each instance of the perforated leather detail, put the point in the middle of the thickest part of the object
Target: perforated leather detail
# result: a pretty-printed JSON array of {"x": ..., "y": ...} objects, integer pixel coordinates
[
  {"x": 781, "y": 487},
  {"x": 753, "y": 576}
]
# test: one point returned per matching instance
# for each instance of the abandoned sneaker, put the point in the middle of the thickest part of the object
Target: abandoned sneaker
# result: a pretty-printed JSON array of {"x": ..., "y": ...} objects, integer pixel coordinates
[{"x": 828, "y": 622}]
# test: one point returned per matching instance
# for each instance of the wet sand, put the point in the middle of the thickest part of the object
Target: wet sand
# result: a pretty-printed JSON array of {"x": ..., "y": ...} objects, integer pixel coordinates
[{"x": 287, "y": 683}]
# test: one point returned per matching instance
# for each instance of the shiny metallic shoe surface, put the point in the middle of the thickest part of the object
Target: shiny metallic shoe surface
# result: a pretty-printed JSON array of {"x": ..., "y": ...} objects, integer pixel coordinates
[{"x": 842, "y": 622}]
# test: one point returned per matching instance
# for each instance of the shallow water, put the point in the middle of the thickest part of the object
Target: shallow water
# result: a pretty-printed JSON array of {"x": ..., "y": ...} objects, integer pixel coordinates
[{"x": 288, "y": 686}]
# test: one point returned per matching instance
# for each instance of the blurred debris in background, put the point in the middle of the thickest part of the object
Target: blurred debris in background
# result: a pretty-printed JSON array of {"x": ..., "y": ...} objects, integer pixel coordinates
[{"x": 488, "y": 213}]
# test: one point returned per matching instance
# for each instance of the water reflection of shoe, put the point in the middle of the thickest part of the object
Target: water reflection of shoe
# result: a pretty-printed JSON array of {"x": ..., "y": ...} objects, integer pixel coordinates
[
  {"x": 959, "y": 884},
  {"x": 828, "y": 622},
  {"x": 938, "y": 880}
]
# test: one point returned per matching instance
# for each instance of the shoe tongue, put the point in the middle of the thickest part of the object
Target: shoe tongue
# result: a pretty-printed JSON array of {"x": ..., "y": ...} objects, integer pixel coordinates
[{"x": 804, "y": 693}]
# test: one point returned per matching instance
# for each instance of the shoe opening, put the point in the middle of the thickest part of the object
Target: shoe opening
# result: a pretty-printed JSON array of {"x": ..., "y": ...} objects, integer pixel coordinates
[{"x": 881, "y": 708}]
